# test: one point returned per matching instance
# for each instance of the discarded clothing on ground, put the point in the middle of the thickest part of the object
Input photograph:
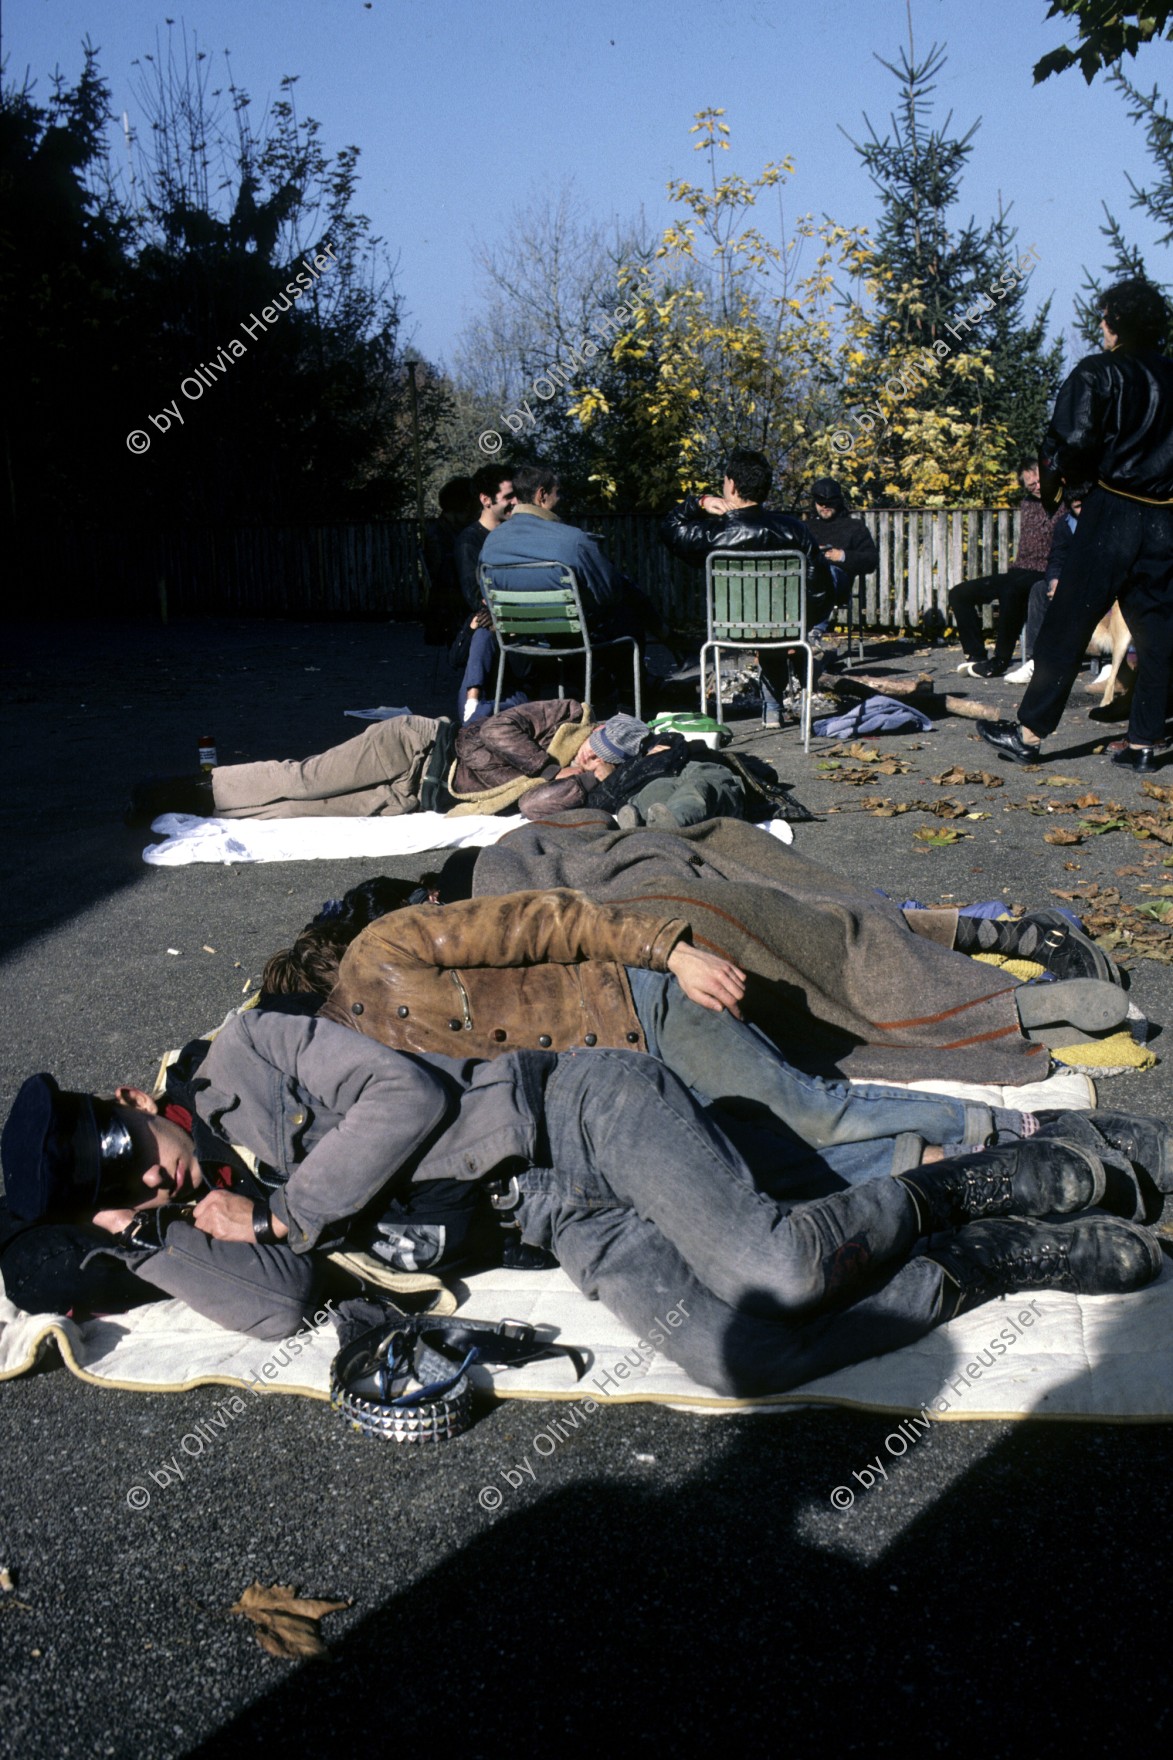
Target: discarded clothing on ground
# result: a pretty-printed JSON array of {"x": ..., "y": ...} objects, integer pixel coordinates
[{"x": 874, "y": 715}]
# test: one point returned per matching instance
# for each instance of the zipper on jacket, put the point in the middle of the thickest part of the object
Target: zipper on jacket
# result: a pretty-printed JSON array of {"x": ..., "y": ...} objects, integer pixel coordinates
[{"x": 464, "y": 1002}]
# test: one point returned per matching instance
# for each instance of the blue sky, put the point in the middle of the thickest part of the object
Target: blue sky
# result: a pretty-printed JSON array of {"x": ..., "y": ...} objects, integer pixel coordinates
[{"x": 464, "y": 110}]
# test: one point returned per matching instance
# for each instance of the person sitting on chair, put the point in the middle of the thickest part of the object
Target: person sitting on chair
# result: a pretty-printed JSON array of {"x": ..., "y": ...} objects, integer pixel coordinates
[{"x": 736, "y": 520}]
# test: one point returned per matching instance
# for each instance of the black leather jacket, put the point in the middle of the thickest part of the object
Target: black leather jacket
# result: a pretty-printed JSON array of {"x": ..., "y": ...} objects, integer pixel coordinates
[
  {"x": 691, "y": 534},
  {"x": 842, "y": 532},
  {"x": 1113, "y": 423}
]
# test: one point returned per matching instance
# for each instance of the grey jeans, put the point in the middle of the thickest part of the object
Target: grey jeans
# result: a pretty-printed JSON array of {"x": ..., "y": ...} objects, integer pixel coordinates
[
  {"x": 264, "y": 1291},
  {"x": 649, "y": 1207}
]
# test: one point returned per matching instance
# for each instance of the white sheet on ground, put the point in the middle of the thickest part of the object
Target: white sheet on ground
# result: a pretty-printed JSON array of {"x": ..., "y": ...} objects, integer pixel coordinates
[
  {"x": 190, "y": 839},
  {"x": 1047, "y": 1355}
]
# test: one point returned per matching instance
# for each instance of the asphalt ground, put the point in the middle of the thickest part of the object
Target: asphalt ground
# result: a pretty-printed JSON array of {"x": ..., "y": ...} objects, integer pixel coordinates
[{"x": 664, "y": 1578}]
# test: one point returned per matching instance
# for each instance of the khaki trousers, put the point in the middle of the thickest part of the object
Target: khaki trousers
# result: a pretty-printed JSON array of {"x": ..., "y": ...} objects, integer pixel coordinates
[{"x": 379, "y": 771}]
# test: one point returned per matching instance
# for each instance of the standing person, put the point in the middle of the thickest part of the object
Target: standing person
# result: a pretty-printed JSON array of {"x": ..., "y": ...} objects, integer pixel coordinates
[
  {"x": 1012, "y": 590},
  {"x": 474, "y": 652},
  {"x": 1112, "y": 426},
  {"x": 736, "y": 520},
  {"x": 1043, "y": 590}
]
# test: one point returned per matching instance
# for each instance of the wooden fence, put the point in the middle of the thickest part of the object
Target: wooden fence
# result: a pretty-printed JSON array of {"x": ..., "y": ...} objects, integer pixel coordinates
[{"x": 370, "y": 571}]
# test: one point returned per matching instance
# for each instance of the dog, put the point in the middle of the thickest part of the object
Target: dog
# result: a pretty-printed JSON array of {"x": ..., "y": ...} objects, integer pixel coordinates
[{"x": 1111, "y": 637}]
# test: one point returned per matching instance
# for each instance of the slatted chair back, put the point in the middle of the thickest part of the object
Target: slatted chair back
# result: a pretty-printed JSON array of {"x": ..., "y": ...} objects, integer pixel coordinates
[{"x": 757, "y": 600}]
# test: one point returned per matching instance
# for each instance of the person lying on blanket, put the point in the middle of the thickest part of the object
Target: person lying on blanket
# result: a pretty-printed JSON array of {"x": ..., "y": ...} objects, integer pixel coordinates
[
  {"x": 406, "y": 763},
  {"x": 552, "y": 970},
  {"x": 603, "y": 1160}
]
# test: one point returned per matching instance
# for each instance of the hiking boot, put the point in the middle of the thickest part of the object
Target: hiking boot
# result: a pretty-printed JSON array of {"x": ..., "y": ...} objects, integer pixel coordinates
[
  {"x": 1091, "y": 1256},
  {"x": 170, "y": 794},
  {"x": 1033, "y": 1176},
  {"x": 1069, "y": 1012}
]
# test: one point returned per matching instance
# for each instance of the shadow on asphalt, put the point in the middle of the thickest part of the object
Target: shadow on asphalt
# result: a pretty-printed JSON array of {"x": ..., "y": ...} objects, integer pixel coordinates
[{"x": 740, "y": 1601}]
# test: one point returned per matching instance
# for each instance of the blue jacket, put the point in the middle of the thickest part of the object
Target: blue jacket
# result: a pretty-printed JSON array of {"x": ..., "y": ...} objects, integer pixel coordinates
[{"x": 530, "y": 535}]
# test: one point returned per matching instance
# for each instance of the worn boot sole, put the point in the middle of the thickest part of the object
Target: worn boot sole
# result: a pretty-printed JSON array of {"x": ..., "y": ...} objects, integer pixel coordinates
[{"x": 1075, "y": 1008}]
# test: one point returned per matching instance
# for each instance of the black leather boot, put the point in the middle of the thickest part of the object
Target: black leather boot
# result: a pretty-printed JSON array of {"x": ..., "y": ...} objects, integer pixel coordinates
[
  {"x": 1137, "y": 1153},
  {"x": 1045, "y": 937},
  {"x": 1090, "y": 1256},
  {"x": 1039, "y": 1176}
]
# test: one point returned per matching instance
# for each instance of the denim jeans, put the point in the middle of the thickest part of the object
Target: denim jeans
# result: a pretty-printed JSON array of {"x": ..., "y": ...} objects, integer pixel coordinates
[
  {"x": 729, "y": 1064},
  {"x": 649, "y": 1207}
]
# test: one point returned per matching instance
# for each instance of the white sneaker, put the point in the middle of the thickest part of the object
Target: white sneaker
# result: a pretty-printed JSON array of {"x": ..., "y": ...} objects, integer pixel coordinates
[
  {"x": 1021, "y": 674},
  {"x": 1102, "y": 676}
]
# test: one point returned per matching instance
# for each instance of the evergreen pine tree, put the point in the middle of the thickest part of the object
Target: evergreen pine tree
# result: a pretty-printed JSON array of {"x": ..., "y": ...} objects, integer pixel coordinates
[{"x": 956, "y": 376}]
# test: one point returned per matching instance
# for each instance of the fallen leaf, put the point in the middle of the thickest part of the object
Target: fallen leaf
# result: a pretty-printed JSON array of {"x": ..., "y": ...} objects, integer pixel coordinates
[
  {"x": 939, "y": 838},
  {"x": 285, "y": 1625},
  {"x": 6, "y": 1583},
  {"x": 1097, "y": 827},
  {"x": 1061, "y": 836},
  {"x": 1155, "y": 791},
  {"x": 951, "y": 778},
  {"x": 1088, "y": 800}
]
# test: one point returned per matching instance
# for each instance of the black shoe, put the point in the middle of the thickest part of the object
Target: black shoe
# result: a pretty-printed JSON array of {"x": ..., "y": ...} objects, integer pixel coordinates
[
  {"x": 1091, "y": 1256},
  {"x": 1046, "y": 937},
  {"x": 1140, "y": 758},
  {"x": 1007, "y": 736},
  {"x": 170, "y": 794},
  {"x": 1119, "y": 709},
  {"x": 1034, "y": 1176},
  {"x": 994, "y": 668}
]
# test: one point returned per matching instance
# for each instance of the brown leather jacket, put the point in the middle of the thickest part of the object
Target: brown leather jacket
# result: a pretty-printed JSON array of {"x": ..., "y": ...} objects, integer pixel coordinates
[
  {"x": 530, "y": 970},
  {"x": 503, "y": 747}
]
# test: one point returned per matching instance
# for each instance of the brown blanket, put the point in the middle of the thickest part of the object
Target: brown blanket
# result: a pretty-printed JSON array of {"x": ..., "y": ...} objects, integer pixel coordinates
[{"x": 839, "y": 978}]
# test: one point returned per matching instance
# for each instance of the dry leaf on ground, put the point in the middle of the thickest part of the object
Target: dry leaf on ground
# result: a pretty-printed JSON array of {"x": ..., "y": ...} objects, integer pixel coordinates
[
  {"x": 1061, "y": 836},
  {"x": 286, "y": 1625},
  {"x": 950, "y": 778}
]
